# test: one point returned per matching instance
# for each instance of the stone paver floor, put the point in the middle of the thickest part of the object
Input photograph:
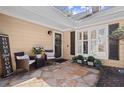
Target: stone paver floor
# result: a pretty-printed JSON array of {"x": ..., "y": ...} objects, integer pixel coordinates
[{"x": 66, "y": 74}]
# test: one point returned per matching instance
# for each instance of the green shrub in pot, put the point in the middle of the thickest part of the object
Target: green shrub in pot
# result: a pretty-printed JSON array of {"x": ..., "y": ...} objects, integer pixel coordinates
[
  {"x": 90, "y": 60},
  {"x": 37, "y": 50},
  {"x": 80, "y": 59},
  {"x": 98, "y": 63}
]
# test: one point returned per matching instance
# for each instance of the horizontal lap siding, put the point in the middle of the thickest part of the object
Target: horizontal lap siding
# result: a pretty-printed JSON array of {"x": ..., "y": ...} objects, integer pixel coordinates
[
  {"x": 24, "y": 35},
  {"x": 67, "y": 45}
]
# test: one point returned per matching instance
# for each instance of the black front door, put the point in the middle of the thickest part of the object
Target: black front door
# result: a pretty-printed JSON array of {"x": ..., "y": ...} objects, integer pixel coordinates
[{"x": 58, "y": 45}]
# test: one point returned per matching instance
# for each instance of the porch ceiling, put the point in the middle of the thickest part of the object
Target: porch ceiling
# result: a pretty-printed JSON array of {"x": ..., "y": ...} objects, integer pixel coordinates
[{"x": 53, "y": 18}]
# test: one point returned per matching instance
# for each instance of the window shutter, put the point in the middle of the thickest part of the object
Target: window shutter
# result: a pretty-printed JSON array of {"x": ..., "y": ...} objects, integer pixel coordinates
[
  {"x": 72, "y": 41},
  {"x": 113, "y": 43}
]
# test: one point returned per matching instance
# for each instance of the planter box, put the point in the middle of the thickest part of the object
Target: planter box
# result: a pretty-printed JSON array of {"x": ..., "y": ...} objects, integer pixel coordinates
[
  {"x": 79, "y": 61},
  {"x": 38, "y": 56},
  {"x": 98, "y": 66},
  {"x": 90, "y": 63}
]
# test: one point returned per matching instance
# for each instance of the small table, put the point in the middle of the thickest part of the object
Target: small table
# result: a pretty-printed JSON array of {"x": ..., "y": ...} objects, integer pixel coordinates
[{"x": 40, "y": 62}]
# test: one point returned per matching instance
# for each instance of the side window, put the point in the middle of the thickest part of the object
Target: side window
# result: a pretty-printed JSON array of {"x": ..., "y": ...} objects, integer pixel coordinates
[
  {"x": 101, "y": 40},
  {"x": 93, "y": 41},
  {"x": 79, "y": 42},
  {"x": 85, "y": 42}
]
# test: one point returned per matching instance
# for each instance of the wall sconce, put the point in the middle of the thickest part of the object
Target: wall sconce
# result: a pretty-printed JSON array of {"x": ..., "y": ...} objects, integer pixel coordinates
[{"x": 49, "y": 32}]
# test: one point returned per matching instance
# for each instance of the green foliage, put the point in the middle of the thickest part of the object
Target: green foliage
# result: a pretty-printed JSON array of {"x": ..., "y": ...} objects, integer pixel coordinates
[
  {"x": 98, "y": 61},
  {"x": 91, "y": 58},
  {"x": 118, "y": 34},
  {"x": 80, "y": 57},
  {"x": 37, "y": 50}
]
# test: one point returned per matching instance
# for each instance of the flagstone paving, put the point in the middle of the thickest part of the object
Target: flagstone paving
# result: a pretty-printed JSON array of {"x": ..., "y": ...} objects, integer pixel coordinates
[{"x": 64, "y": 74}]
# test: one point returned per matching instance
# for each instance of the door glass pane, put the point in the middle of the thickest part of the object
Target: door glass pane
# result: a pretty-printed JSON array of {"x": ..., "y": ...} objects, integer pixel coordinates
[
  {"x": 93, "y": 46},
  {"x": 101, "y": 40},
  {"x": 101, "y": 45},
  {"x": 85, "y": 47},
  {"x": 79, "y": 49},
  {"x": 57, "y": 45},
  {"x": 79, "y": 35},
  {"x": 93, "y": 42},
  {"x": 85, "y": 35}
]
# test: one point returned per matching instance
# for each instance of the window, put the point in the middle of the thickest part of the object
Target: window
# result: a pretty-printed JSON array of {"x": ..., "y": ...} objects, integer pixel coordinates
[
  {"x": 85, "y": 47},
  {"x": 79, "y": 42},
  {"x": 101, "y": 40},
  {"x": 79, "y": 49},
  {"x": 79, "y": 36},
  {"x": 93, "y": 42},
  {"x": 85, "y": 35},
  {"x": 101, "y": 48},
  {"x": 85, "y": 42}
]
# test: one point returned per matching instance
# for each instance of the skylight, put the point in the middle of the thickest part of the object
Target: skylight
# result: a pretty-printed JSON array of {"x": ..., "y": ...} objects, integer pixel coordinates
[{"x": 73, "y": 10}]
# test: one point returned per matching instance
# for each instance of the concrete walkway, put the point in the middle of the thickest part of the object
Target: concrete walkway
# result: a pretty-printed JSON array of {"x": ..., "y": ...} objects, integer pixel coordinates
[{"x": 66, "y": 74}]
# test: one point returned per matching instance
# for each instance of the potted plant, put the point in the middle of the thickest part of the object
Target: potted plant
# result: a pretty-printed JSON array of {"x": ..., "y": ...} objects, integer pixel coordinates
[
  {"x": 118, "y": 33},
  {"x": 80, "y": 59},
  {"x": 90, "y": 60},
  {"x": 37, "y": 51},
  {"x": 98, "y": 63}
]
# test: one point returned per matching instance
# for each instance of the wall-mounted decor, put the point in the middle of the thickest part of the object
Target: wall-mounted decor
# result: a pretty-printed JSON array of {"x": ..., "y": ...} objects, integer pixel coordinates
[{"x": 5, "y": 56}]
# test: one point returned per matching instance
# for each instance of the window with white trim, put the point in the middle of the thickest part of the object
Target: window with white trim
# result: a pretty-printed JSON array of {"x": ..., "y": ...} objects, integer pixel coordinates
[
  {"x": 79, "y": 43},
  {"x": 101, "y": 40},
  {"x": 93, "y": 42},
  {"x": 85, "y": 42}
]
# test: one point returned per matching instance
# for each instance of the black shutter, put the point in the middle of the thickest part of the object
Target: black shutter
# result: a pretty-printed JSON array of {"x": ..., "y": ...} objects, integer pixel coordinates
[
  {"x": 113, "y": 43},
  {"x": 72, "y": 39}
]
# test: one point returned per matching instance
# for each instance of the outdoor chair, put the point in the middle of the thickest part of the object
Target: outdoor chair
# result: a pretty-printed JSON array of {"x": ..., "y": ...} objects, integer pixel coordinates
[{"x": 23, "y": 61}]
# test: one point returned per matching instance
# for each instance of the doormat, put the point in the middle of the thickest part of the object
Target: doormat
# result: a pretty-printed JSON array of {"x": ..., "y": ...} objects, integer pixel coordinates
[{"x": 60, "y": 60}]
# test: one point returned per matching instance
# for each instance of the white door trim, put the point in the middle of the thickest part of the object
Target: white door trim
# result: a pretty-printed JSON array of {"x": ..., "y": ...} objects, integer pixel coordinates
[{"x": 54, "y": 42}]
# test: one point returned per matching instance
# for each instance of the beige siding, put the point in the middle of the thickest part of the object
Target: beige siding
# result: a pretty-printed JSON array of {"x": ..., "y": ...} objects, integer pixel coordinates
[
  {"x": 67, "y": 45},
  {"x": 24, "y": 35}
]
